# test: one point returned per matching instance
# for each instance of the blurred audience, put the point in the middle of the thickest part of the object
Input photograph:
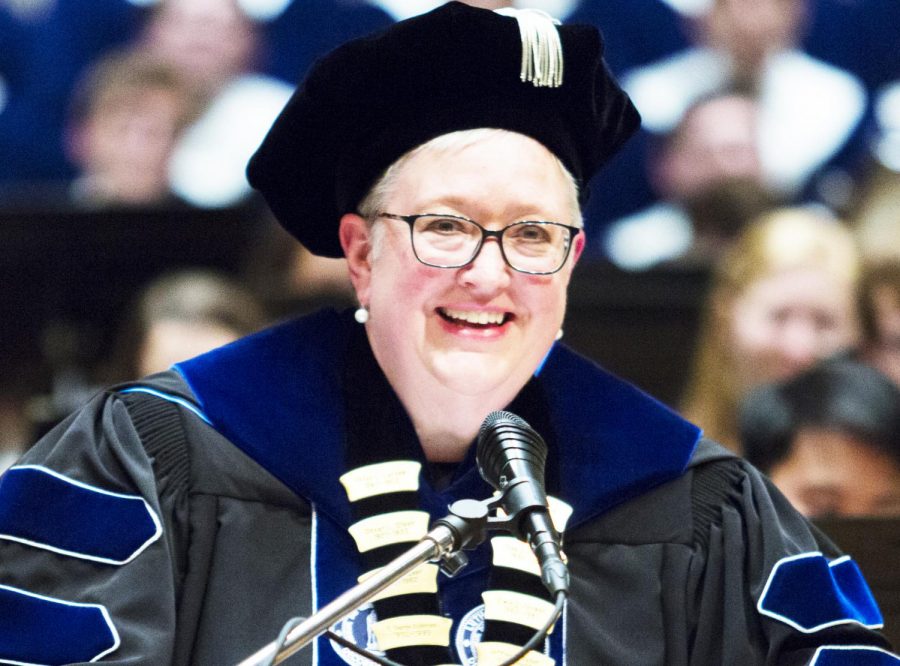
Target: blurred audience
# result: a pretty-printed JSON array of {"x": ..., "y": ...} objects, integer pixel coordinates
[
  {"x": 180, "y": 315},
  {"x": 829, "y": 439},
  {"x": 708, "y": 175},
  {"x": 44, "y": 47},
  {"x": 127, "y": 115},
  {"x": 876, "y": 222},
  {"x": 880, "y": 310},
  {"x": 783, "y": 296},
  {"x": 215, "y": 46},
  {"x": 809, "y": 109},
  {"x": 177, "y": 315},
  {"x": 308, "y": 29},
  {"x": 876, "y": 216}
]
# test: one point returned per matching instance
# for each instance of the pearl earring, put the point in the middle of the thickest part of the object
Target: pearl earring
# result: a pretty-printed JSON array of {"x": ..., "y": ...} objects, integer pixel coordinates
[
  {"x": 362, "y": 314},
  {"x": 559, "y": 335}
]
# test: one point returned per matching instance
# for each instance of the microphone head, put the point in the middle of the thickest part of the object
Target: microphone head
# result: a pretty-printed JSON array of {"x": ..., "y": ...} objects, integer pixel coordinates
[{"x": 507, "y": 448}]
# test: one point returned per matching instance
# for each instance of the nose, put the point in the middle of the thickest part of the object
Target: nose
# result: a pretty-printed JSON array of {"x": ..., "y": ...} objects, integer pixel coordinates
[
  {"x": 487, "y": 273},
  {"x": 800, "y": 344}
]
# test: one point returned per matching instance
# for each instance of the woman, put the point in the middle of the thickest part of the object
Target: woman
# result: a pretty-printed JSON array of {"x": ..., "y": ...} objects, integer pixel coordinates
[
  {"x": 783, "y": 296},
  {"x": 284, "y": 467},
  {"x": 476, "y": 334}
]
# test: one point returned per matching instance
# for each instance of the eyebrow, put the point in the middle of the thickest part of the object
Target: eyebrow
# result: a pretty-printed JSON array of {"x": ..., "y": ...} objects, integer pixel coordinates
[{"x": 460, "y": 203}]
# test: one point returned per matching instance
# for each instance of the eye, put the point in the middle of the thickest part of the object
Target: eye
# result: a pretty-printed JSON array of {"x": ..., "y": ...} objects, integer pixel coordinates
[
  {"x": 779, "y": 316},
  {"x": 531, "y": 232},
  {"x": 443, "y": 225},
  {"x": 824, "y": 321}
]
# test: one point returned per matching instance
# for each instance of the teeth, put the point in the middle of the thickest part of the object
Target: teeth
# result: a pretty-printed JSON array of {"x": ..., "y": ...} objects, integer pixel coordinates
[{"x": 480, "y": 317}]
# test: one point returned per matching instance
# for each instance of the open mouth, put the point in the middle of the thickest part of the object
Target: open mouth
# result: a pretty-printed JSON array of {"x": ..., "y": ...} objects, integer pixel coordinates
[{"x": 473, "y": 318}]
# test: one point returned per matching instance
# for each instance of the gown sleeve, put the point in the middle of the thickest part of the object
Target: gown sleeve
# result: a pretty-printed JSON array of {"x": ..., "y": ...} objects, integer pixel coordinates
[
  {"x": 769, "y": 588},
  {"x": 88, "y": 554}
]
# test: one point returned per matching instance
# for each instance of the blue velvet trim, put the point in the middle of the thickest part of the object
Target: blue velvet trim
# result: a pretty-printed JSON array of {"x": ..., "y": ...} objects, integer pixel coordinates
[
  {"x": 278, "y": 393},
  {"x": 40, "y": 630},
  {"x": 613, "y": 442},
  {"x": 278, "y": 396},
  {"x": 853, "y": 655},
  {"x": 44, "y": 509},
  {"x": 809, "y": 593}
]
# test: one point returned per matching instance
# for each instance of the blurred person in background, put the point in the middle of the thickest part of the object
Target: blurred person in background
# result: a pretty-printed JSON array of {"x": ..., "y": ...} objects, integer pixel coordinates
[
  {"x": 708, "y": 175},
  {"x": 217, "y": 47},
  {"x": 782, "y": 297},
  {"x": 208, "y": 41},
  {"x": 127, "y": 115},
  {"x": 45, "y": 45},
  {"x": 809, "y": 110},
  {"x": 880, "y": 310},
  {"x": 180, "y": 315},
  {"x": 308, "y": 29},
  {"x": 876, "y": 223},
  {"x": 177, "y": 315},
  {"x": 829, "y": 438}
]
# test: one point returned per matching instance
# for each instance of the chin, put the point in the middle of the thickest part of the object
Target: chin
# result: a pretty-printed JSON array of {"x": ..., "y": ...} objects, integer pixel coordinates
[{"x": 480, "y": 374}]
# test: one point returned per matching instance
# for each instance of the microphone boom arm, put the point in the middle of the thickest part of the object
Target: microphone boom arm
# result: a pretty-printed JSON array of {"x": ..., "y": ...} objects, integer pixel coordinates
[{"x": 464, "y": 528}]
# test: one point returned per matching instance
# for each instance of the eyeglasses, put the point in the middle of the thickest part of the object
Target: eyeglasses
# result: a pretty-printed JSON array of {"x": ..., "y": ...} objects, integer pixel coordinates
[{"x": 452, "y": 241}]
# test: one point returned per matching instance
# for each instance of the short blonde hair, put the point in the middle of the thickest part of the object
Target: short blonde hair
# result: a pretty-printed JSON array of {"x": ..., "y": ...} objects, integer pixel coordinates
[{"x": 789, "y": 238}]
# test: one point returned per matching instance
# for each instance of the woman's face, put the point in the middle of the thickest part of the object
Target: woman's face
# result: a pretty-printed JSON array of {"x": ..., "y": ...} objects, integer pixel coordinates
[
  {"x": 783, "y": 323},
  {"x": 481, "y": 329},
  {"x": 833, "y": 473}
]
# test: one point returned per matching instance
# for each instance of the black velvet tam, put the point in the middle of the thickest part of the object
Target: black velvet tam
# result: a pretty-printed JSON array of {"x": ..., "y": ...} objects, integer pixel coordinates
[{"x": 374, "y": 99}]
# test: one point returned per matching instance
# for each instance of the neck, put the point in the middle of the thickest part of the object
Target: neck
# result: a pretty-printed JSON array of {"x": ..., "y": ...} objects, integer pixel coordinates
[{"x": 446, "y": 422}]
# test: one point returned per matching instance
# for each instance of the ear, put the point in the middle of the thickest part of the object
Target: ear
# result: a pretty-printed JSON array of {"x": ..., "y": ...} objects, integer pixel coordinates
[
  {"x": 355, "y": 237},
  {"x": 580, "y": 242}
]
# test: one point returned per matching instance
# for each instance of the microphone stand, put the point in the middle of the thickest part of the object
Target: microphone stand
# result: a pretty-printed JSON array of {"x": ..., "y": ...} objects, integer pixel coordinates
[{"x": 464, "y": 528}]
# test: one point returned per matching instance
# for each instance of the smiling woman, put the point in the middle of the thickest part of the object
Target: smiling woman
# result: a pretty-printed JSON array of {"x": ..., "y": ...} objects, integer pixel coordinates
[
  {"x": 451, "y": 355},
  {"x": 289, "y": 465}
]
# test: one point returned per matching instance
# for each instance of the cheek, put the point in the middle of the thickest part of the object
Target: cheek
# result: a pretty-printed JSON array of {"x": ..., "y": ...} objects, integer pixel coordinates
[
  {"x": 753, "y": 351},
  {"x": 403, "y": 288},
  {"x": 545, "y": 299},
  {"x": 751, "y": 331}
]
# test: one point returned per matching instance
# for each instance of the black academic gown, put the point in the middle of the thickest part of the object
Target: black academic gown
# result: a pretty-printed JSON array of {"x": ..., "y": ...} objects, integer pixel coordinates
[{"x": 185, "y": 518}]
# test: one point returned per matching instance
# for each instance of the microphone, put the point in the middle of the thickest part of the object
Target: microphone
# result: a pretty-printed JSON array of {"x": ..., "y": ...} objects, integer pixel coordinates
[{"x": 511, "y": 457}]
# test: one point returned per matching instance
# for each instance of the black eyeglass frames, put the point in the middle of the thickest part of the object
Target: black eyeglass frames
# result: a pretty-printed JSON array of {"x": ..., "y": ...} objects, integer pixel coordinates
[{"x": 452, "y": 241}]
